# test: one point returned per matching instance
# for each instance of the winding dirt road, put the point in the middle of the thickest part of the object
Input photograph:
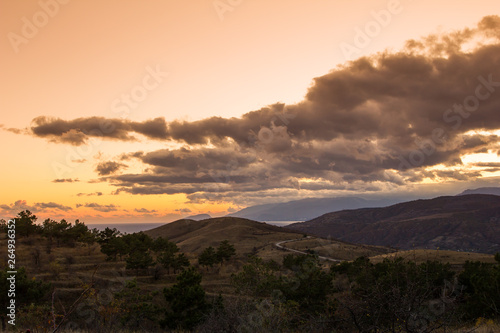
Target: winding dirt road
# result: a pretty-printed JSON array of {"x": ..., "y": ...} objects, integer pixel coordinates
[{"x": 279, "y": 246}]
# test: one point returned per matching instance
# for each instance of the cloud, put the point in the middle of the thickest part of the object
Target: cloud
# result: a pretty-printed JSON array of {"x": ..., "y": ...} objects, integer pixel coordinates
[
  {"x": 52, "y": 205},
  {"x": 110, "y": 167},
  {"x": 78, "y": 131},
  {"x": 488, "y": 164},
  {"x": 90, "y": 194},
  {"x": 66, "y": 180},
  {"x": 99, "y": 207},
  {"x": 232, "y": 210},
  {"x": 183, "y": 210},
  {"x": 17, "y": 207},
  {"x": 144, "y": 210},
  {"x": 372, "y": 124},
  {"x": 14, "y": 130},
  {"x": 21, "y": 205}
]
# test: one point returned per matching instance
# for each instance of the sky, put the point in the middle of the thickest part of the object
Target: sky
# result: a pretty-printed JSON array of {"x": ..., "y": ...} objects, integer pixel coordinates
[{"x": 129, "y": 111}]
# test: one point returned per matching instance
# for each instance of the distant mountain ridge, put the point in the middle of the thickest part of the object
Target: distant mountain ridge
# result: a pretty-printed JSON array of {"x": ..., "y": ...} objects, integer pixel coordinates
[
  {"x": 306, "y": 209},
  {"x": 465, "y": 223},
  {"x": 482, "y": 190},
  {"x": 198, "y": 217}
]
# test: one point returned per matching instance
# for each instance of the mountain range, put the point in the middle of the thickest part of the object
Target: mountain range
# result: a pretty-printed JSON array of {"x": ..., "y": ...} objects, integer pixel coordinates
[
  {"x": 465, "y": 223},
  {"x": 306, "y": 209},
  {"x": 483, "y": 190}
]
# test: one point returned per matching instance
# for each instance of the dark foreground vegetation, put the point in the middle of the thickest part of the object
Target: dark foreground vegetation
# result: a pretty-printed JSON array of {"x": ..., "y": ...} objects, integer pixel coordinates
[{"x": 134, "y": 283}]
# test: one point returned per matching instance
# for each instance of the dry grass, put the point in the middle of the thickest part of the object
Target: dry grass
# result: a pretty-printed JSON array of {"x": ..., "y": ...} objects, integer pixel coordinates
[
  {"x": 194, "y": 236},
  {"x": 451, "y": 257},
  {"x": 336, "y": 249}
]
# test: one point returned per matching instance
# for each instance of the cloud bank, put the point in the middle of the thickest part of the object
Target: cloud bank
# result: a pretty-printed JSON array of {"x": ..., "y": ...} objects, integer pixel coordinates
[{"x": 375, "y": 123}]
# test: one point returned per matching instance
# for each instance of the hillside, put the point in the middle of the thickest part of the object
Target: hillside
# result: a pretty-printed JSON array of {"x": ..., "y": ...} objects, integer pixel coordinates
[
  {"x": 306, "y": 209},
  {"x": 194, "y": 236},
  {"x": 463, "y": 223}
]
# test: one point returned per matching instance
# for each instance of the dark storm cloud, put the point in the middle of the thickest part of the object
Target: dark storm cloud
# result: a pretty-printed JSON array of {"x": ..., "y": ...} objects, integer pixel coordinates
[
  {"x": 378, "y": 119},
  {"x": 108, "y": 168}
]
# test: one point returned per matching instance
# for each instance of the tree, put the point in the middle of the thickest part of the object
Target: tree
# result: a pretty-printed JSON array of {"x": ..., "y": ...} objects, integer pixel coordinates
[
  {"x": 186, "y": 299},
  {"x": 398, "y": 295},
  {"x": 167, "y": 255},
  {"x": 171, "y": 260},
  {"x": 309, "y": 285},
  {"x": 49, "y": 231},
  {"x": 180, "y": 262},
  {"x": 258, "y": 278},
  {"x": 89, "y": 238},
  {"x": 137, "y": 241},
  {"x": 111, "y": 243},
  {"x": 161, "y": 244},
  {"x": 166, "y": 259},
  {"x": 139, "y": 260},
  {"x": 114, "y": 247},
  {"x": 25, "y": 223},
  {"x": 136, "y": 306},
  {"x": 481, "y": 295},
  {"x": 225, "y": 251},
  {"x": 61, "y": 232},
  {"x": 107, "y": 234},
  {"x": 208, "y": 257},
  {"x": 77, "y": 232}
]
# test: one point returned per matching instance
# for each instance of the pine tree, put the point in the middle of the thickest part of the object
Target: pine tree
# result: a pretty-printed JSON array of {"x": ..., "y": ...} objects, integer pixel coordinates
[
  {"x": 225, "y": 251},
  {"x": 186, "y": 299},
  {"x": 208, "y": 257}
]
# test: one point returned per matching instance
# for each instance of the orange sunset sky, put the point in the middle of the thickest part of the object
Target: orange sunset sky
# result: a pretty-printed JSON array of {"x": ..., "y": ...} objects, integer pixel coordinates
[{"x": 149, "y": 111}]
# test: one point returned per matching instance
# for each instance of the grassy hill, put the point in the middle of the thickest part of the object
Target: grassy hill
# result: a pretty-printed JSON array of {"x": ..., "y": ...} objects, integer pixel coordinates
[
  {"x": 464, "y": 223},
  {"x": 194, "y": 236},
  {"x": 248, "y": 236}
]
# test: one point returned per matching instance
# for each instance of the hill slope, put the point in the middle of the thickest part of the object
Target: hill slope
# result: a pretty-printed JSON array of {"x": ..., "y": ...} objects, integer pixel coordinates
[
  {"x": 465, "y": 223},
  {"x": 194, "y": 236},
  {"x": 306, "y": 209}
]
